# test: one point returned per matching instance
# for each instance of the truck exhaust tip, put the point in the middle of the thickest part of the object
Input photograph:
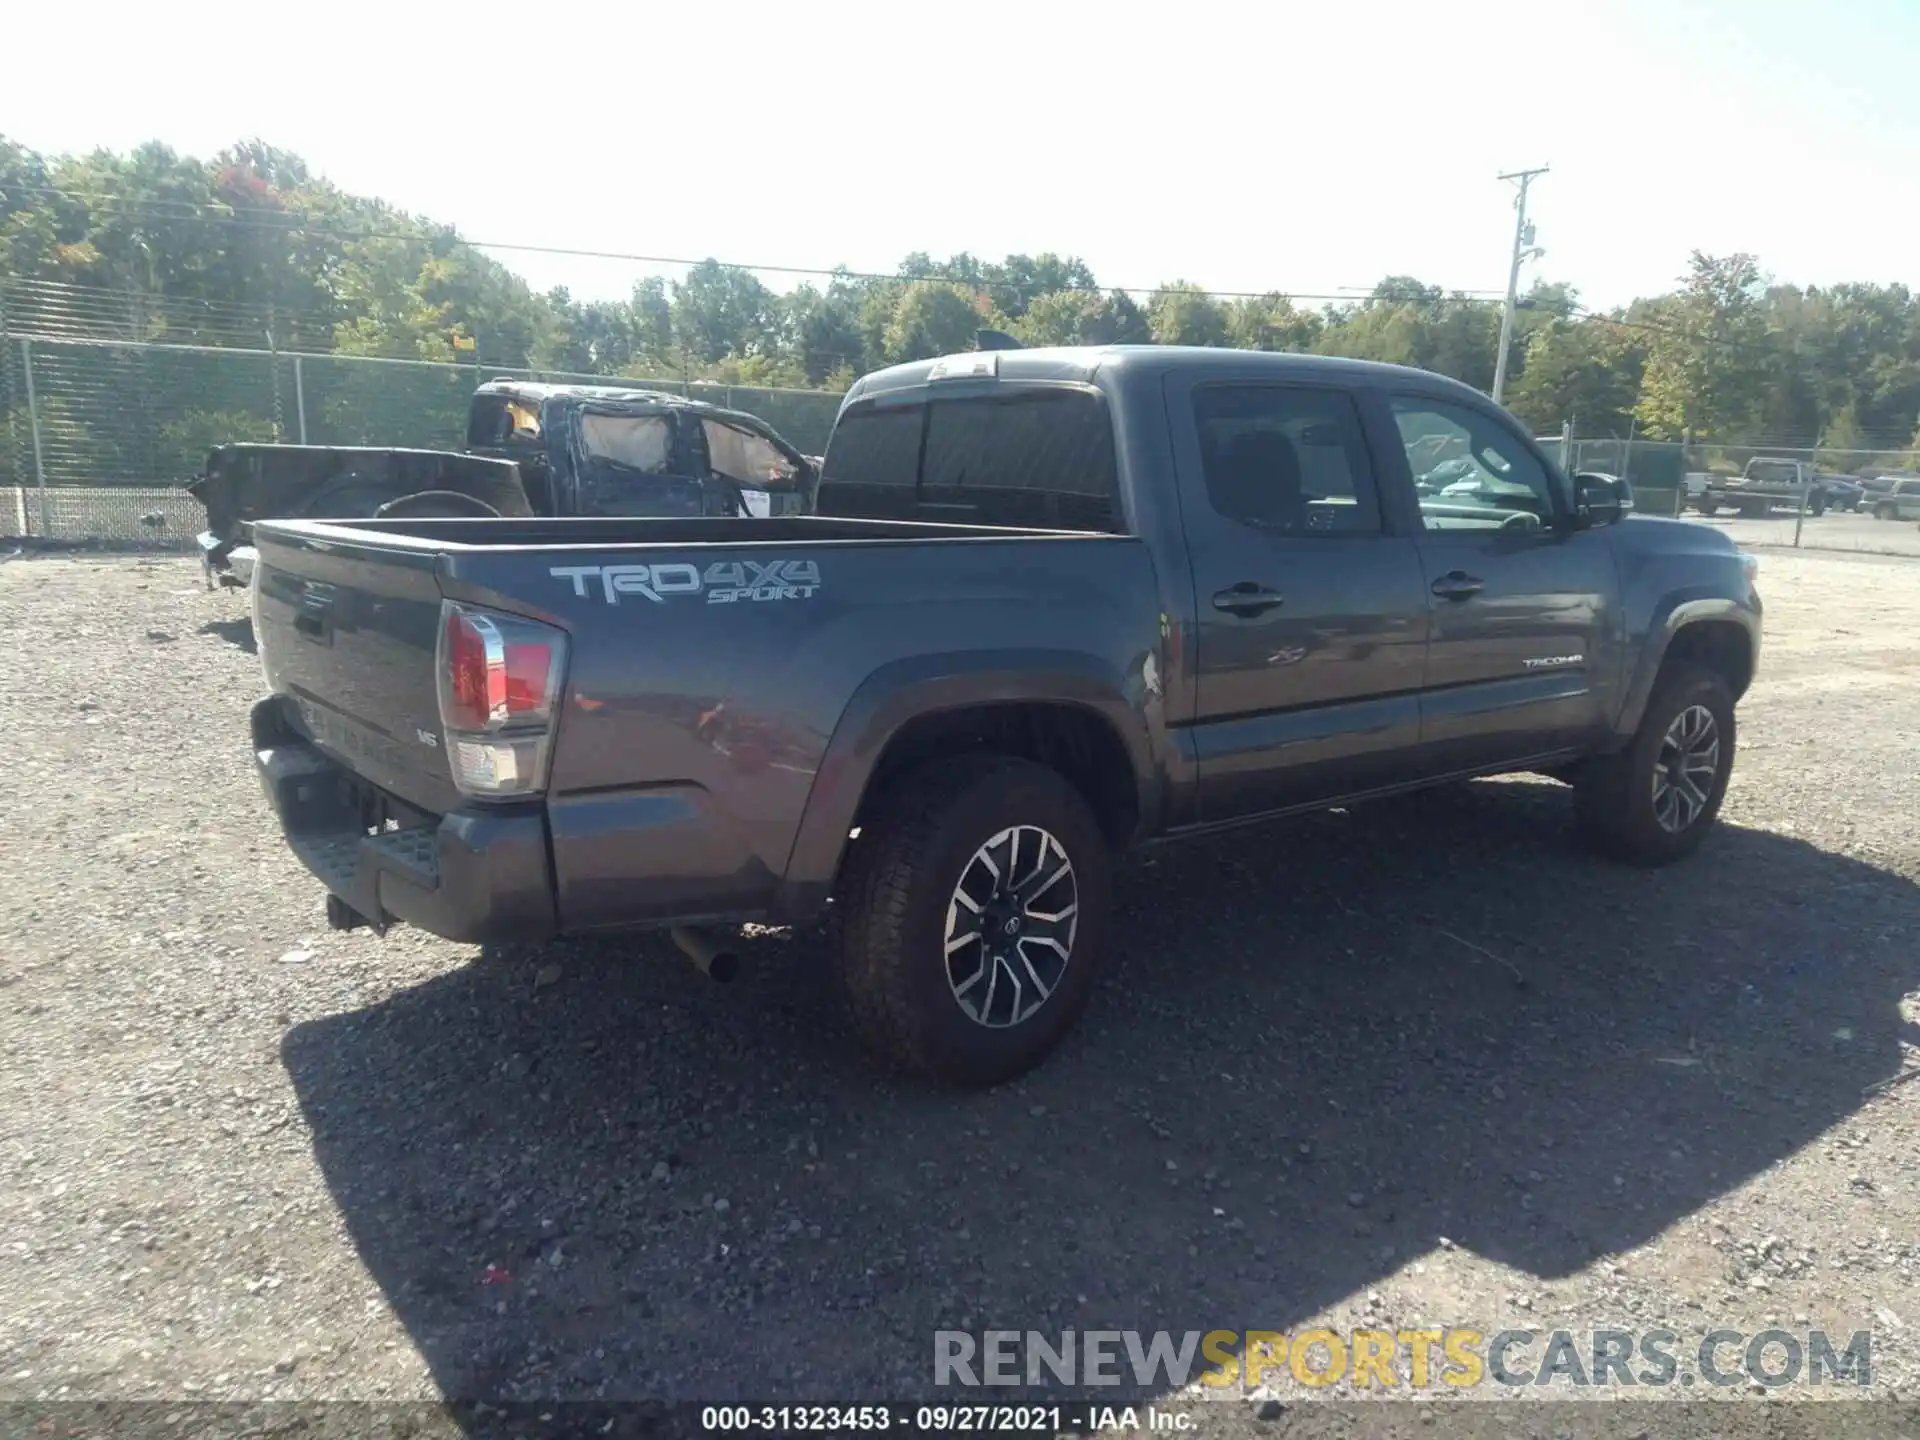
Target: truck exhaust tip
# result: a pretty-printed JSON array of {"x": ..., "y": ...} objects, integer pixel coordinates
[{"x": 709, "y": 956}]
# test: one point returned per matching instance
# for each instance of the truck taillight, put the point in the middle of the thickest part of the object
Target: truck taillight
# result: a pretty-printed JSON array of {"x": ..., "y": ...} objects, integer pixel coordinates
[{"x": 500, "y": 679}]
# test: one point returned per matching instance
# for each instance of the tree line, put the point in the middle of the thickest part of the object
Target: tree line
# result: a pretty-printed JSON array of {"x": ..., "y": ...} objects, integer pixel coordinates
[{"x": 1725, "y": 355}]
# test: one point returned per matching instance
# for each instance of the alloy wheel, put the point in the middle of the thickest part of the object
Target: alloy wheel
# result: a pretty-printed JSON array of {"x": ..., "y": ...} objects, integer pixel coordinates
[
  {"x": 1010, "y": 926},
  {"x": 1686, "y": 768}
]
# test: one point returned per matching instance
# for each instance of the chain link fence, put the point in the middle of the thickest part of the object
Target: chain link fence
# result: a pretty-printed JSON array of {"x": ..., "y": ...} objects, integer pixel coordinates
[
  {"x": 113, "y": 400},
  {"x": 1860, "y": 511},
  {"x": 102, "y": 433}
]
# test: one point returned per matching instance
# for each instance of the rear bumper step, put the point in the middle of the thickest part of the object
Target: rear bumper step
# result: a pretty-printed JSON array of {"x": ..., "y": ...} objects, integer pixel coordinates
[{"x": 476, "y": 876}]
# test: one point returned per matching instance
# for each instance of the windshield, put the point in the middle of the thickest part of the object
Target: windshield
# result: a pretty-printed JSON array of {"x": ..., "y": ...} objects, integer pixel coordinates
[{"x": 745, "y": 458}]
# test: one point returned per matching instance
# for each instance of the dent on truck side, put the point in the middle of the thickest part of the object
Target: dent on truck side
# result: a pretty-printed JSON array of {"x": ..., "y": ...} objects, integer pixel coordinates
[
  {"x": 913, "y": 689},
  {"x": 1668, "y": 587}
]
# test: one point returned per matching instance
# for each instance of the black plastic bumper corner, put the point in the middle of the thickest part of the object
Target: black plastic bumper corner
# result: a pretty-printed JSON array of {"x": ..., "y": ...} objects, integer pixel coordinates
[{"x": 475, "y": 876}]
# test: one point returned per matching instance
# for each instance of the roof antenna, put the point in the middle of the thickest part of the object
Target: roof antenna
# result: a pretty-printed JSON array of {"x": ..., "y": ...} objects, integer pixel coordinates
[{"x": 994, "y": 340}]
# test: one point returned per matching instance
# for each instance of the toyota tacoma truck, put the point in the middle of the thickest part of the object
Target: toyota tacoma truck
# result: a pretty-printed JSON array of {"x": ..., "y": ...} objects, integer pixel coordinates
[{"x": 1052, "y": 605}]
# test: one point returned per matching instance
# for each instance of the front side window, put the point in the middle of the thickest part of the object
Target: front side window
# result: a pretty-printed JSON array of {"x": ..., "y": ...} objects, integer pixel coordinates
[
  {"x": 1469, "y": 472},
  {"x": 1285, "y": 461}
]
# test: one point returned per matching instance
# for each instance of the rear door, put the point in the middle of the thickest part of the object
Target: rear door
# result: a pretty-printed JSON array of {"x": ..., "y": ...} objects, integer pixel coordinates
[
  {"x": 1312, "y": 613},
  {"x": 1521, "y": 602}
]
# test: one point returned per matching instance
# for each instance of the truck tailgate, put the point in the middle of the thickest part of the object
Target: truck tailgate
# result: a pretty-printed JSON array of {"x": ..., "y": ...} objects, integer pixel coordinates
[{"x": 347, "y": 631}]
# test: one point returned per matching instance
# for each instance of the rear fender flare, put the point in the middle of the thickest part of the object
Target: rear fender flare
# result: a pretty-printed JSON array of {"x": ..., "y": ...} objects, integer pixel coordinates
[
  {"x": 907, "y": 689},
  {"x": 1675, "y": 613}
]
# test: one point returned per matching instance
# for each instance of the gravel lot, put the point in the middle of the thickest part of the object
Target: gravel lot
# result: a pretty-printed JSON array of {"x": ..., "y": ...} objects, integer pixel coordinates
[
  {"x": 248, "y": 1158},
  {"x": 1832, "y": 531}
]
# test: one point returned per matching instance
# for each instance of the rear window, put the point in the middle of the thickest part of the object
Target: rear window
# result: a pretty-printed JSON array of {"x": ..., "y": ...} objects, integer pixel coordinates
[
  {"x": 871, "y": 454},
  {"x": 1033, "y": 458}
]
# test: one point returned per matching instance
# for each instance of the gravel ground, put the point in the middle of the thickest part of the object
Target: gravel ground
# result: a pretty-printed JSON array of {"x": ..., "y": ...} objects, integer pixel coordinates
[
  {"x": 1418, "y": 1064},
  {"x": 1832, "y": 531}
]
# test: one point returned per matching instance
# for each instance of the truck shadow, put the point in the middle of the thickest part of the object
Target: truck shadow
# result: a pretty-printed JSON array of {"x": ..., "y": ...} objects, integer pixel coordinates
[{"x": 1320, "y": 1049}]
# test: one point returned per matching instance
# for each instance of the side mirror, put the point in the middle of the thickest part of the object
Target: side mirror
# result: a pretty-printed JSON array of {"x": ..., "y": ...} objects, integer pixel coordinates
[{"x": 1600, "y": 499}]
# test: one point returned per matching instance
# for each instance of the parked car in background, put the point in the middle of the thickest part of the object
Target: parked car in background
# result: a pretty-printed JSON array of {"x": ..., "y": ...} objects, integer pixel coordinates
[
  {"x": 1768, "y": 481},
  {"x": 1843, "y": 492},
  {"x": 531, "y": 450},
  {"x": 1901, "y": 501}
]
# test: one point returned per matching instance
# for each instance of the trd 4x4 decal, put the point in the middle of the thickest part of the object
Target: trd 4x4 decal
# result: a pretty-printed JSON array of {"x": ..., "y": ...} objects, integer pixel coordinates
[{"x": 723, "y": 582}]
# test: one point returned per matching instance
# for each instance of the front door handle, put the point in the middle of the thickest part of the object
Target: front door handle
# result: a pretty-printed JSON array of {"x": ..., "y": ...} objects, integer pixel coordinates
[
  {"x": 1247, "y": 599},
  {"x": 1458, "y": 585}
]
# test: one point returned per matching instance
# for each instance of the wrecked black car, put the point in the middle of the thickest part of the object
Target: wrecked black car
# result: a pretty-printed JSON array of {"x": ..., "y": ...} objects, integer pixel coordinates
[{"x": 531, "y": 449}]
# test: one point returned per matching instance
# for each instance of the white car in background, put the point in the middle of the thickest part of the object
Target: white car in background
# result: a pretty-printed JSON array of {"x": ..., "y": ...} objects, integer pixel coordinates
[{"x": 1901, "y": 501}]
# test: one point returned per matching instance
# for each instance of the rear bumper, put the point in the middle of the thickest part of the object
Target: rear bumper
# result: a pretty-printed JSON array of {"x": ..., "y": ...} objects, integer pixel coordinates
[
  {"x": 476, "y": 876},
  {"x": 226, "y": 562}
]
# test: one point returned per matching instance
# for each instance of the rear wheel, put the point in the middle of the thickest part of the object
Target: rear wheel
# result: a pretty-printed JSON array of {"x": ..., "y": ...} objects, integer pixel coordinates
[
  {"x": 1818, "y": 504},
  {"x": 1883, "y": 512},
  {"x": 974, "y": 921},
  {"x": 1654, "y": 802},
  {"x": 435, "y": 505},
  {"x": 1707, "y": 504}
]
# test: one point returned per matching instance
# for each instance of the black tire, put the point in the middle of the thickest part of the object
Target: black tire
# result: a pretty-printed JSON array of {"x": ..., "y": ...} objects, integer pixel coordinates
[
  {"x": 1707, "y": 505},
  {"x": 1818, "y": 504},
  {"x": 894, "y": 900},
  {"x": 436, "y": 505},
  {"x": 1614, "y": 802},
  {"x": 1883, "y": 512}
]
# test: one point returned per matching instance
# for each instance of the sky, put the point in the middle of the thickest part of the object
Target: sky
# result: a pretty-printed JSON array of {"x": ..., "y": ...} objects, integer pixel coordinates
[{"x": 1287, "y": 145}]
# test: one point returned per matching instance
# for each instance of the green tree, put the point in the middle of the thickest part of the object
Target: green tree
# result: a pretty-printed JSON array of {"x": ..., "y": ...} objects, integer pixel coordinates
[
  {"x": 822, "y": 329},
  {"x": 154, "y": 243},
  {"x": 1082, "y": 317},
  {"x": 720, "y": 311},
  {"x": 1270, "y": 322},
  {"x": 1182, "y": 313},
  {"x": 1583, "y": 372},
  {"x": 936, "y": 317},
  {"x": 1709, "y": 354},
  {"x": 1020, "y": 280}
]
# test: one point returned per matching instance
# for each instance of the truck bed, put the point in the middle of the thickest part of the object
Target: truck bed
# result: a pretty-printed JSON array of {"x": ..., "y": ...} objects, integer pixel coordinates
[
  {"x": 709, "y": 664},
  {"x": 616, "y": 531}
]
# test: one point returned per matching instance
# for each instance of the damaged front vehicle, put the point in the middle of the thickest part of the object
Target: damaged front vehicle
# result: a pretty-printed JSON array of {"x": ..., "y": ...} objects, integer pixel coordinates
[{"x": 531, "y": 450}]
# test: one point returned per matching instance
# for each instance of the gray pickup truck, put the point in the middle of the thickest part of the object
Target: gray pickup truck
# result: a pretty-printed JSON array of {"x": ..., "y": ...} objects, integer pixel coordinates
[{"x": 1055, "y": 604}]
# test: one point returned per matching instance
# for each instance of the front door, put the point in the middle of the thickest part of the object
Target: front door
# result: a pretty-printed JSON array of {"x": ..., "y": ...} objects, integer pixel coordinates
[
  {"x": 1312, "y": 616},
  {"x": 1522, "y": 602}
]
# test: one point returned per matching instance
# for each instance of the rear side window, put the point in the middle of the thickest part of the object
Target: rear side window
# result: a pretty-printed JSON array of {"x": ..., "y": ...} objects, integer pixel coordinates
[
  {"x": 1033, "y": 458},
  {"x": 1286, "y": 461}
]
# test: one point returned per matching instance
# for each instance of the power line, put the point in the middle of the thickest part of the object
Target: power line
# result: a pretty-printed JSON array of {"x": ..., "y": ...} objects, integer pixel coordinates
[{"x": 151, "y": 207}]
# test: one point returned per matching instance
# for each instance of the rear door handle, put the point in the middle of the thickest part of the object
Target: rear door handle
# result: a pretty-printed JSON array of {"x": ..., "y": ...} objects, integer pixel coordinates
[
  {"x": 1247, "y": 599},
  {"x": 1458, "y": 585}
]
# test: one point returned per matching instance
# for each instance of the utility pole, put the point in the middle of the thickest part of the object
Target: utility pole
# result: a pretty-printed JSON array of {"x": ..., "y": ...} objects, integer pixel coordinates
[{"x": 1522, "y": 251}]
